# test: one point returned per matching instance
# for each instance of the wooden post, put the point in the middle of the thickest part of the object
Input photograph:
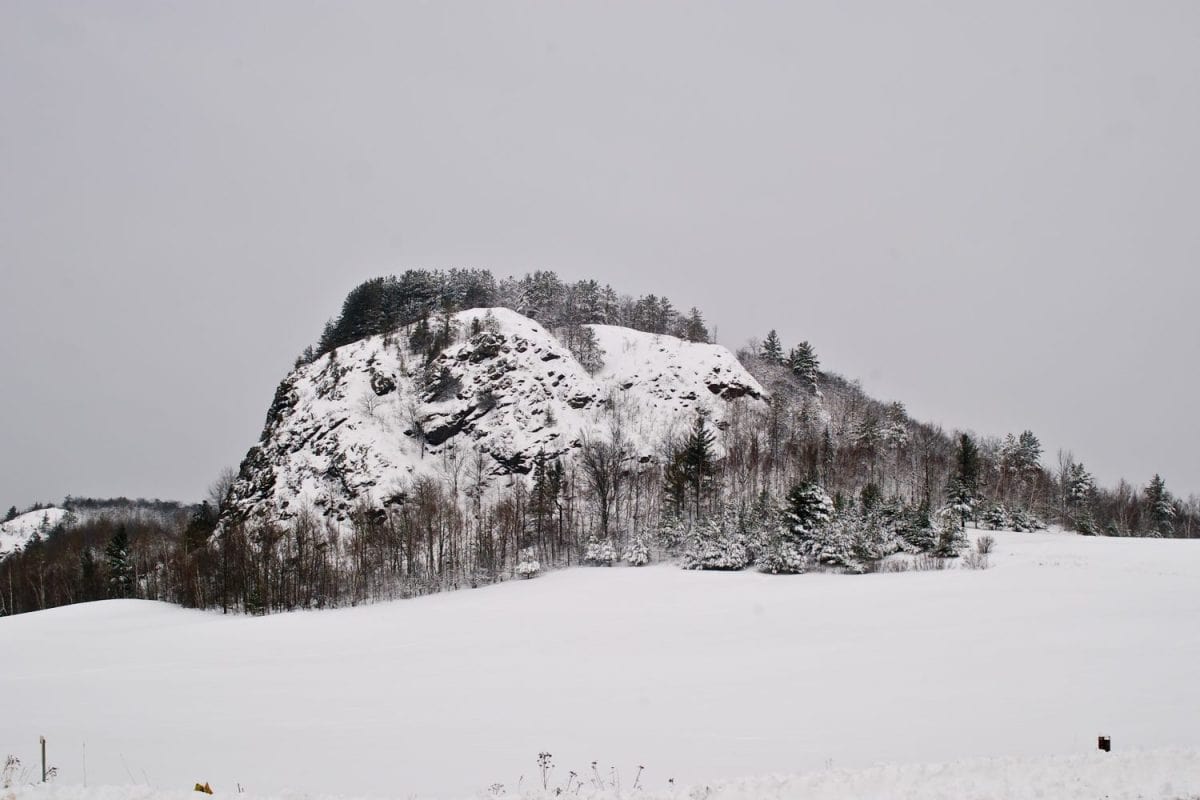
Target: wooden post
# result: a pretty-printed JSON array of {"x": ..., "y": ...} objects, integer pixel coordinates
[{"x": 42, "y": 739}]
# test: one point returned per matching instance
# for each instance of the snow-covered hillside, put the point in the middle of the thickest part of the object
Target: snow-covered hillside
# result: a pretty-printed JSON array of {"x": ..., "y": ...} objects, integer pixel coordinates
[
  {"x": 698, "y": 676},
  {"x": 361, "y": 422},
  {"x": 19, "y": 530}
]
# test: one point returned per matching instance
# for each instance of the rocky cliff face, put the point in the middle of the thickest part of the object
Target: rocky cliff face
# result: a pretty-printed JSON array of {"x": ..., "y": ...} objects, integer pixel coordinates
[{"x": 361, "y": 423}]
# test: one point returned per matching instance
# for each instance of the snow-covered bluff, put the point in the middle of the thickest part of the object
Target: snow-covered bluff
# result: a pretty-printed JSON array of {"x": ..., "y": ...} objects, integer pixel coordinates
[{"x": 360, "y": 423}]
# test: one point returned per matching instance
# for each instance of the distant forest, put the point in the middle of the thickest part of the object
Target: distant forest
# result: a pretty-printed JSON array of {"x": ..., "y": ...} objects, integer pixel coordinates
[{"x": 822, "y": 478}]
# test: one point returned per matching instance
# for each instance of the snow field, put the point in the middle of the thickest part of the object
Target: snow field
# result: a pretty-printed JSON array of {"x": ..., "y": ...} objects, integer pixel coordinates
[
  {"x": 1168, "y": 774},
  {"x": 701, "y": 677}
]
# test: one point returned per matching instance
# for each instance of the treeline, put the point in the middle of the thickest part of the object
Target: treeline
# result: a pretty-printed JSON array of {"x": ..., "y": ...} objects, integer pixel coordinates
[
  {"x": 874, "y": 447},
  {"x": 98, "y": 558},
  {"x": 382, "y": 305},
  {"x": 118, "y": 504}
]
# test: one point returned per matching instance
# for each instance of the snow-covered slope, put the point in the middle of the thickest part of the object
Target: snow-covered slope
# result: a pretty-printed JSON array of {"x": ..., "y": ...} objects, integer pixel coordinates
[
  {"x": 19, "y": 530},
  {"x": 362, "y": 422},
  {"x": 698, "y": 676}
]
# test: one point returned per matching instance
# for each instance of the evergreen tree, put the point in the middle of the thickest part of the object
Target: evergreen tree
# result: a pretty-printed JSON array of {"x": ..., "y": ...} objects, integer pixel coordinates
[
  {"x": 695, "y": 330},
  {"x": 1020, "y": 457},
  {"x": 949, "y": 536},
  {"x": 968, "y": 463},
  {"x": 200, "y": 527},
  {"x": 808, "y": 508},
  {"x": 717, "y": 543},
  {"x": 675, "y": 483},
  {"x": 772, "y": 350},
  {"x": 802, "y": 360},
  {"x": 547, "y": 486},
  {"x": 692, "y": 467},
  {"x": 90, "y": 587},
  {"x": 1080, "y": 485},
  {"x": 11, "y": 515},
  {"x": 963, "y": 489},
  {"x": 698, "y": 458},
  {"x": 828, "y": 456},
  {"x": 1161, "y": 507},
  {"x": 119, "y": 564}
]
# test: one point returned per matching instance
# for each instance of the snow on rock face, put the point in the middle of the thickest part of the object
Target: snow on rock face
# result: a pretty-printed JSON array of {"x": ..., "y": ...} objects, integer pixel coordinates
[
  {"x": 663, "y": 370},
  {"x": 361, "y": 423},
  {"x": 19, "y": 530}
]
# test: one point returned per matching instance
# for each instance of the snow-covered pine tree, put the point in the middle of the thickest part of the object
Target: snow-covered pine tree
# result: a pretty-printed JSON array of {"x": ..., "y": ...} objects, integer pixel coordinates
[
  {"x": 802, "y": 359},
  {"x": 782, "y": 556},
  {"x": 808, "y": 508},
  {"x": 780, "y": 550},
  {"x": 637, "y": 553},
  {"x": 1160, "y": 507},
  {"x": 772, "y": 350},
  {"x": 963, "y": 490},
  {"x": 694, "y": 466},
  {"x": 600, "y": 553},
  {"x": 716, "y": 543},
  {"x": 914, "y": 529},
  {"x": 996, "y": 517},
  {"x": 528, "y": 566},
  {"x": 1080, "y": 486},
  {"x": 951, "y": 539}
]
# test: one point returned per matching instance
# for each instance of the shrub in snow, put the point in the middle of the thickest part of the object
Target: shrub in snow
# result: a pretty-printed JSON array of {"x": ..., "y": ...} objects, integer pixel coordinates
[
  {"x": 1084, "y": 524},
  {"x": 725, "y": 553},
  {"x": 951, "y": 538},
  {"x": 716, "y": 543},
  {"x": 927, "y": 562},
  {"x": 672, "y": 532},
  {"x": 528, "y": 566},
  {"x": 975, "y": 561},
  {"x": 984, "y": 545},
  {"x": 600, "y": 553},
  {"x": 782, "y": 557},
  {"x": 833, "y": 543},
  {"x": 852, "y": 541},
  {"x": 1022, "y": 520},
  {"x": 637, "y": 554},
  {"x": 996, "y": 518},
  {"x": 914, "y": 530}
]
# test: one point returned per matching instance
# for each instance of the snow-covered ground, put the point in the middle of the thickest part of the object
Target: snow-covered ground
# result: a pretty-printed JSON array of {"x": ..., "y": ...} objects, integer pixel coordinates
[
  {"x": 20, "y": 529},
  {"x": 700, "y": 677},
  {"x": 1170, "y": 774}
]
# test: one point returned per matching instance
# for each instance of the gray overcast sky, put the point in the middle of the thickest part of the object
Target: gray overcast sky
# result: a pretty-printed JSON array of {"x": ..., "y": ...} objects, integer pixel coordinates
[{"x": 988, "y": 211}]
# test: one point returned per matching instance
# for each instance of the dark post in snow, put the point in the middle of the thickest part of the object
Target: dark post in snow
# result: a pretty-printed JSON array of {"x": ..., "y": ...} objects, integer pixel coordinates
[
  {"x": 42, "y": 739},
  {"x": 1105, "y": 744}
]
